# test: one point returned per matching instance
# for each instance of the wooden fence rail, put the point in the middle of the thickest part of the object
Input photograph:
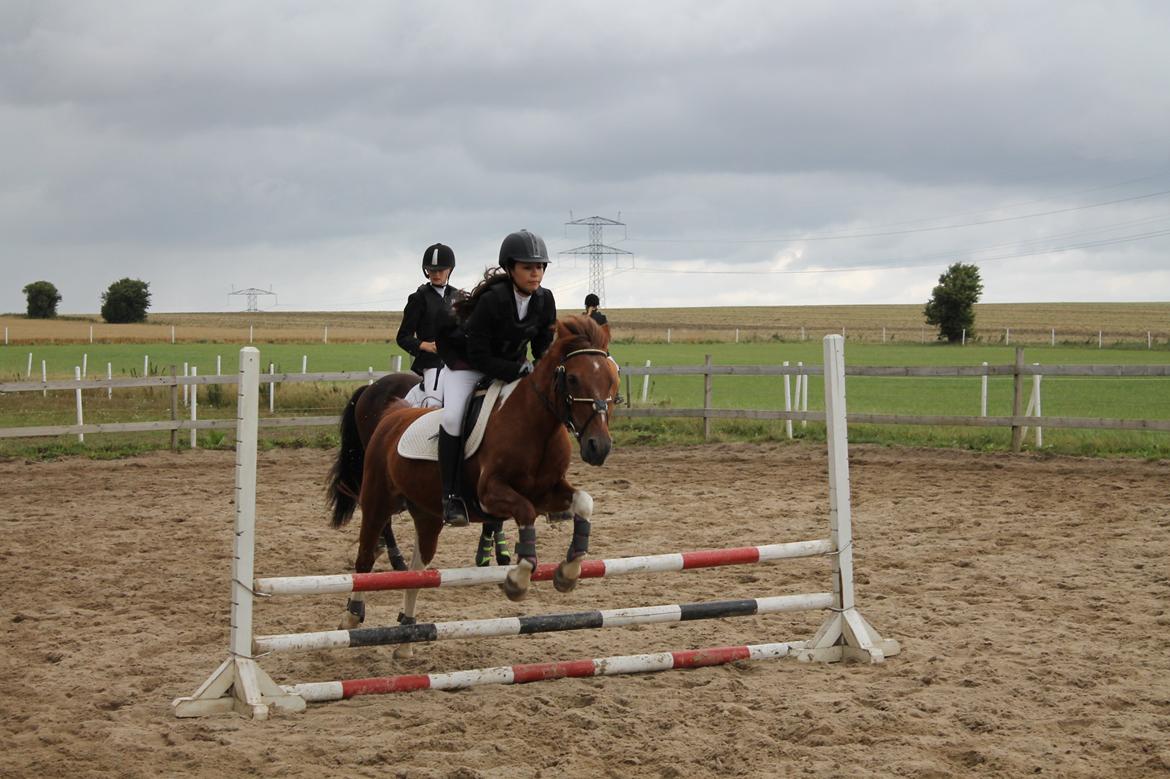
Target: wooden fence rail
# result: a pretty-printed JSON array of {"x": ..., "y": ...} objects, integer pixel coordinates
[{"x": 1017, "y": 420}]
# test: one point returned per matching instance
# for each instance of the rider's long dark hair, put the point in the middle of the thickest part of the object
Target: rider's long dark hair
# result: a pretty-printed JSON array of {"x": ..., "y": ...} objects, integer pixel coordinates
[{"x": 491, "y": 277}]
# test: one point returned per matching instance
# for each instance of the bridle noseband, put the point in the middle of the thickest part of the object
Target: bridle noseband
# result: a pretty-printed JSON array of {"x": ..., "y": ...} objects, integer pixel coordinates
[{"x": 565, "y": 415}]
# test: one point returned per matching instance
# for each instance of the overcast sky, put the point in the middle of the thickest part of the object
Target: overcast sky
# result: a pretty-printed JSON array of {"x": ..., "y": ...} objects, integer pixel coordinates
[{"x": 760, "y": 153}]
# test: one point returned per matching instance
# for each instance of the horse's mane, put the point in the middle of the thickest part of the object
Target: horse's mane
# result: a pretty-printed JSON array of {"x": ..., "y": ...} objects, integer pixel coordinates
[{"x": 584, "y": 333}]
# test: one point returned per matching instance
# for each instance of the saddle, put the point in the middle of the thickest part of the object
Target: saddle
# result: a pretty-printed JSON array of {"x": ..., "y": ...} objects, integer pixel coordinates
[{"x": 420, "y": 441}]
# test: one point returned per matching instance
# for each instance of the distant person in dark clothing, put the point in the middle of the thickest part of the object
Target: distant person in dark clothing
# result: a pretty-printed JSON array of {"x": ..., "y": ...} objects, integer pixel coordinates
[
  {"x": 420, "y": 319},
  {"x": 591, "y": 304}
]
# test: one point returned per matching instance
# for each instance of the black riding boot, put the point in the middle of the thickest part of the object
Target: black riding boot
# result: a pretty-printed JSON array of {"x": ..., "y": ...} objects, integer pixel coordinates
[{"x": 451, "y": 472}]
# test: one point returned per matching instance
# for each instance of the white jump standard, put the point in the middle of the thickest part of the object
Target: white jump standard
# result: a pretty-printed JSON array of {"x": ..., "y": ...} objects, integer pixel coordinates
[{"x": 240, "y": 684}]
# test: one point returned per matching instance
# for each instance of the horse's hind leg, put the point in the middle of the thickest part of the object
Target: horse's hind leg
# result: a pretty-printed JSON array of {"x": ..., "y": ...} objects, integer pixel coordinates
[
  {"x": 569, "y": 571},
  {"x": 397, "y": 561}
]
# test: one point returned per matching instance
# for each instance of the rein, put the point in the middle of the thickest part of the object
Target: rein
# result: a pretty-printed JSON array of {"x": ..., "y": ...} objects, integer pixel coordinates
[{"x": 565, "y": 415}]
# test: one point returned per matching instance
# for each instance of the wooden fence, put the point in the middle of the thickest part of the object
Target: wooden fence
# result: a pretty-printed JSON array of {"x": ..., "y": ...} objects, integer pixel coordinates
[{"x": 1018, "y": 420}]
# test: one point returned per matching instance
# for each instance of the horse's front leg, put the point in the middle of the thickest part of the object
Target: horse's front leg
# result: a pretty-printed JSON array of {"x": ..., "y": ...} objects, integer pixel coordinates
[
  {"x": 568, "y": 573},
  {"x": 503, "y": 501},
  {"x": 409, "y": 602},
  {"x": 426, "y": 540}
]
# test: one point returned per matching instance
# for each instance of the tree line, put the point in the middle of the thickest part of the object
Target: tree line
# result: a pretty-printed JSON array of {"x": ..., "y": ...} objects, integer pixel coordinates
[
  {"x": 125, "y": 301},
  {"x": 951, "y": 307}
]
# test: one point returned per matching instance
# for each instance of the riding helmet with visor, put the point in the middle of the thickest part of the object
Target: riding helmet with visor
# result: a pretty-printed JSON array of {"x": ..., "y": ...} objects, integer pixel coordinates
[
  {"x": 437, "y": 257},
  {"x": 522, "y": 246}
]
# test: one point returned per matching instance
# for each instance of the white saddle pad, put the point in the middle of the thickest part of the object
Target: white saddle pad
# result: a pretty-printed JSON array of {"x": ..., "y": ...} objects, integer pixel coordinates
[{"x": 421, "y": 439}]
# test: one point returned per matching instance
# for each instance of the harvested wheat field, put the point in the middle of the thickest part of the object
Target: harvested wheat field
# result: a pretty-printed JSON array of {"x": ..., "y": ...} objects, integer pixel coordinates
[{"x": 1029, "y": 595}]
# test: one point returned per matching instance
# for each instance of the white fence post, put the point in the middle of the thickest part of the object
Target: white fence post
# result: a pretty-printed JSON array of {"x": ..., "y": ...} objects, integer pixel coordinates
[
  {"x": 668, "y": 335},
  {"x": 110, "y": 378},
  {"x": 646, "y": 383},
  {"x": 84, "y": 365},
  {"x": 1036, "y": 406},
  {"x": 6, "y": 336},
  {"x": 326, "y": 338},
  {"x": 1149, "y": 340},
  {"x": 1007, "y": 336},
  {"x": 251, "y": 332},
  {"x": 964, "y": 343},
  {"x": 883, "y": 333},
  {"x": 80, "y": 418},
  {"x": 271, "y": 388},
  {"x": 172, "y": 333},
  {"x": 218, "y": 365},
  {"x": 304, "y": 363},
  {"x": 371, "y": 374},
  {"x": 398, "y": 363},
  {"x": 983, "y": 393},
  {"x": 1098, "y": 339},
  {"x": 29, "y": 373},
  {"x": 802, "y": 393},
  {"x": 44, "y": 378},
  {"x": 90, "y": 333},
  {"x": 145, "y": 365},
  {"x": 194, "y": 409},
  {"x": 802, "y": 332},
  {"x": 737, "y": 335},
  {"x": 1053, "y": 336},
  {"x": 186, "y": 388},
  {"x": 787, "y": 401}
]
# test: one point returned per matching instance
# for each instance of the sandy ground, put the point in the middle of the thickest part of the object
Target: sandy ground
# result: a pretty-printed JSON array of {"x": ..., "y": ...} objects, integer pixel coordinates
[{"x": 1030, "y": 597}]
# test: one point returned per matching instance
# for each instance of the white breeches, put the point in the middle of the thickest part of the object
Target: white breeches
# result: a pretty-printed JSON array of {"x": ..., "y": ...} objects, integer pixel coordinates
[
  {"x": 428, "y": 394},
  {"x": 456, "y": 388}
]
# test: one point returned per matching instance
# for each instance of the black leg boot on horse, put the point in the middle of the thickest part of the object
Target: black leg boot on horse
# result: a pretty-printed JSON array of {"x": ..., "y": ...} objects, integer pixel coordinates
[
  {"x": 451, "y": 472},
  {"x": 492, "y": 540}
]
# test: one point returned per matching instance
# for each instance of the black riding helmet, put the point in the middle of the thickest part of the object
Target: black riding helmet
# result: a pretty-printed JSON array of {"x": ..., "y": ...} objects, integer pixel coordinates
[
  {"x": 436, "y": 257},
  {"x": 522, "y": 246}
]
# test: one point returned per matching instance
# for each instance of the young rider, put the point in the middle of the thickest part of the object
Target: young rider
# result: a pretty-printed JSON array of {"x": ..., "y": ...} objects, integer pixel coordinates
[
  {"x": 506, "y": 312},
  {"x": 420, "y": 320},
  {"x": 591, "y": 304}
]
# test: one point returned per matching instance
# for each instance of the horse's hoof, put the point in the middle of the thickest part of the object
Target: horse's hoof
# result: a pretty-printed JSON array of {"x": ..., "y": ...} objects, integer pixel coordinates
[
  {"x": 398, "y": 563},
  {"x": 515, "y": 584},
  {"x": 566, "y": 576},
  {"x": 349, "y": 621},
  {"x": 514, "y": 591},
  {"x": 404, "y": 652}
]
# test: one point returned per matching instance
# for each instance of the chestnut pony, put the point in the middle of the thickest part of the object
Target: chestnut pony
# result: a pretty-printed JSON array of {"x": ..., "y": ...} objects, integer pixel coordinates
[
  {"x": 358, "y": 420},
  {"x": 518, "y": 471}
]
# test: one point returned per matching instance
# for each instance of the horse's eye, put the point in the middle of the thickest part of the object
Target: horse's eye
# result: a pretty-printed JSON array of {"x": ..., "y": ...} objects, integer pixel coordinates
[{"x": 574, "y": 381}]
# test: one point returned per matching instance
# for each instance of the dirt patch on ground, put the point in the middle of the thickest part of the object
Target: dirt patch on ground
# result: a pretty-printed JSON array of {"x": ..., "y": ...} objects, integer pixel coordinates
[{"x": 1029, "y": 596}]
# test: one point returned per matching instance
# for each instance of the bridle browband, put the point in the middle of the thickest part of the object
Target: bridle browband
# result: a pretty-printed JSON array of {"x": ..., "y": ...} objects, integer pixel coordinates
[{"x": 565, "y": 415}]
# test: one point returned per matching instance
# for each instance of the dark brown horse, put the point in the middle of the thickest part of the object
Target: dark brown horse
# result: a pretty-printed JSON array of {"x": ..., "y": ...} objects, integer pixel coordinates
[
  {"x": 358, "y": 421},
  {"x": 519, "y": 470}
]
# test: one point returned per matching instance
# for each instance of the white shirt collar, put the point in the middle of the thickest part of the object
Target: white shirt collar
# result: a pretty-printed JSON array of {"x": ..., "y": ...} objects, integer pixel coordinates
[{"x": 522, "y": 302}]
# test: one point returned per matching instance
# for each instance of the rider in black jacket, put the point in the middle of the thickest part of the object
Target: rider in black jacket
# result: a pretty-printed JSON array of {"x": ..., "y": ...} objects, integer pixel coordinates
[
  {"x": 506, "y": 313},
  {"x": 425, "y": 307}
]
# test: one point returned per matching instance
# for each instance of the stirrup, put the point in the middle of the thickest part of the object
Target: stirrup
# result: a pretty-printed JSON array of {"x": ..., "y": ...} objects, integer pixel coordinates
[{"x": 454, "y": 512}]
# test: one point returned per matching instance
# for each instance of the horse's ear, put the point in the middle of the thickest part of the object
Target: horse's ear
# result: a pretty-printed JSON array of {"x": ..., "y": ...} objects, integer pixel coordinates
[{"x": 563, "y": 331}]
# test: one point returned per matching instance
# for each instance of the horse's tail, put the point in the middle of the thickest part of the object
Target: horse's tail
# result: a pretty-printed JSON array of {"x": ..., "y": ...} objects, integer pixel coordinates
[{"x": 345, "y": 477}]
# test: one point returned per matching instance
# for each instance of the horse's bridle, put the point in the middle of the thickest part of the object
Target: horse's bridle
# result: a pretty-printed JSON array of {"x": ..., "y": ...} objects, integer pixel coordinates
[{"x": 565, "y": 416}]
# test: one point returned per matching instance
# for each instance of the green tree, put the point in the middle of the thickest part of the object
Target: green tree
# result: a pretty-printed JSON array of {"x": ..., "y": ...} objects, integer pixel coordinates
[
  {"x": 126, "y": 301},
  {"x": 43, "y": 298},
  {"x": 952, "y": 303}
]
